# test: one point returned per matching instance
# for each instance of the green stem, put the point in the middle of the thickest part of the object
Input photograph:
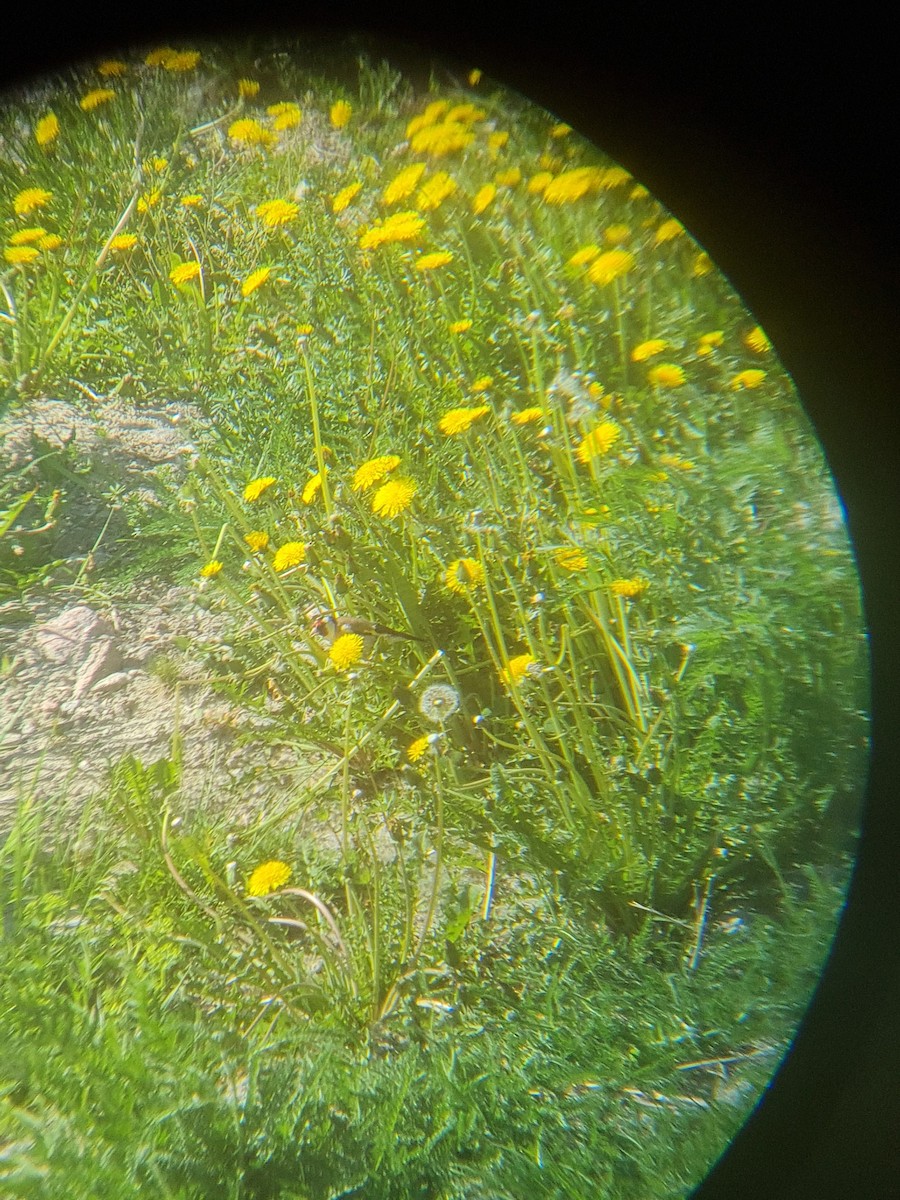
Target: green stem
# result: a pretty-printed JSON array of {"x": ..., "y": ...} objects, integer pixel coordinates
[
  {"x": 438, "y": 863},
  {"x": 317, "y": 433}
]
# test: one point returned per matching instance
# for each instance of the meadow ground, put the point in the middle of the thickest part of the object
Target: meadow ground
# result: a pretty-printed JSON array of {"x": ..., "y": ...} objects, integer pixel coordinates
[{"x": 521, "y": 539}]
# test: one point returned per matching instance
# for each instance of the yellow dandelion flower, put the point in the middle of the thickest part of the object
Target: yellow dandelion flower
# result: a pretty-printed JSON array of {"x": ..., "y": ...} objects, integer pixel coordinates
[
  {"x": 466, "y": 113},
  {"x": 25, "y": 237},
  {"x": 112, "y": 68},
  {"x": 96, "y": 98},
  {"x": 47, "y": 129},
  {"x": 400, "y": 227},
  {"x": 248, "y": 88},
  {"x": 702, "y": 265},
  {"x": 256, "y": 487},
  {"x": 255, "y": 280},
  {"x": 192, "y": 201},
  {"x": 275, "y": 213},
  {"x": 549, "y": 162},
  {"x": 628, "y": 588},
  {"x": 404, "y": 184},
  {"x": 460, "y": 326},
  {"x": 345, "y": 197},
  {"x": 709, "y": 340},
  {"x": 648, "y": 349},
  {"x": 510, "y": 178},
  {"x": 185, "y": 273},
  {"x": 286, "y": 115},
  {"x": 429, "y": 262},
  {"x": 483, "y": 198},
  {"x": 432, "y": 113},
  {"x": 313, "y": 486},
  {"x": 20, "y": 256},
  {"x": 638, "y": 192},
  {"x": 667, "y": 231},
  {"x": 29, "y": 199},
  {"x": 374, "y": 470},
  {"x": 463, "y": 574},
  {"x": 572, "y": 185},
  {"x": 482, "y": 384},
  {"x": 438, "y": 140},
  {"x": 434, "y": 191},
  {"x": 527, "y": 415},
  {"x": 570, "y": 558},
  {"x": 677, "y": 462},
  {"x": 304, "y": 330},
  {"x": 149, "y": 201},
  {"x": 158, "y": 58},
  {"x": 616, "y": 234},
  {"x": 212, "y": 568},
  {"x": 613, "y": 177},
  {"x": 182, "y": 60},
  {"x": 50, "y": 241},
  {"x": 291, "y": 554},
  {"x": 122, "y": 242},
  {"x": 340, "y": 114},
  {"x": 583, "y": 256},
  {"x": 538, "y": 183},
  {"x": 757, "y": 340},
  {"x": 257, "y": 540},
  {"x": 496, "y": 141},
  {"x": 460, "y": 420},
  {"x": 609, "y": 266},
  {"x": 418, "y": 748},
  {"x": 666, "y": 375},
  {"x": 346, "y": 651},
  {"x": 249, "y": 132},
  {"x": 598, "y": 442},
  {"x": 268, "y": 877},
  {"x": 747, "y": 379},
  {"x": 561, "y": 130},
  {"x": 517, "y": 669},
  {"x": 393, "y": 497},
  {"x": 474, "y": 77}
]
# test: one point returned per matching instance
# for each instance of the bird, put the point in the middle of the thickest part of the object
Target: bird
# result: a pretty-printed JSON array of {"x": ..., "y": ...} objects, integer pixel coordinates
[{"x": 330, "y": 626}]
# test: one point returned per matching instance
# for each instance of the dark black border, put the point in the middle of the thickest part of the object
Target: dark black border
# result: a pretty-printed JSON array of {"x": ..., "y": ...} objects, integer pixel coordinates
[{"x": 774, "y": 139}]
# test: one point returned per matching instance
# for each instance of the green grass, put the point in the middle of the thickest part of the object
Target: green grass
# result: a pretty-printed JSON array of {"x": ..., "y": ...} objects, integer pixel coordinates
[{"x": 496, "y": 947}]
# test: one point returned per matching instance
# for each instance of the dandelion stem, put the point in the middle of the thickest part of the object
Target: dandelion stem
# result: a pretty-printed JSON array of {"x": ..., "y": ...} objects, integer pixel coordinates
[
  {"x": 490, "y": 872},
  {"x": 317, "y": 433}
]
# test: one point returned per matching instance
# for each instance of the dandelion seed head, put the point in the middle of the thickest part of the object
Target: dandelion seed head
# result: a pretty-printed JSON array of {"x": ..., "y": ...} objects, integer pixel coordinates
[{"x": 438, "y": 702}]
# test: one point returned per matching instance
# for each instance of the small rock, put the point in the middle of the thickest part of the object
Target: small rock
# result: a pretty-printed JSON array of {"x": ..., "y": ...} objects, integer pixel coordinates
[
  {"x": 68, "y": 638},
  {"x": 104, "y": 659},
  {"x": 111, "y": 683}
]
